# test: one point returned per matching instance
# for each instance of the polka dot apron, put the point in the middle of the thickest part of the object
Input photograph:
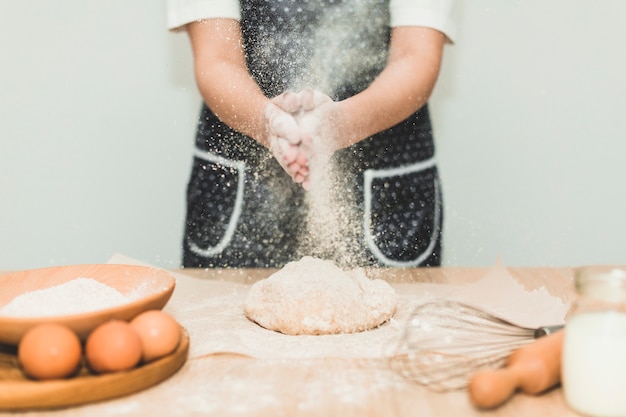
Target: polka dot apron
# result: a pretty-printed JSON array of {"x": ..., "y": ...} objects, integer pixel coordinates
[{"x": 244, "y": 211}]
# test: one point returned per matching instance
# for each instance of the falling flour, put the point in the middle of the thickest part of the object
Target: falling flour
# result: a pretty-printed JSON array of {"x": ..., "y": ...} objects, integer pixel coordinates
[
  {"x": 337, "y": 56},
  {"x": 347, "y": 52},
  {"x": 80, "y": 295}
]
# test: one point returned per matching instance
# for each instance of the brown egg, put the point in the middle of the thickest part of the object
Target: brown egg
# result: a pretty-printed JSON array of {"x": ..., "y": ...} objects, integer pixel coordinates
[
  {"x": 159, "y": 333},
  {"x": 113, "y": 346},
  {"x": 49, "y": 351}
]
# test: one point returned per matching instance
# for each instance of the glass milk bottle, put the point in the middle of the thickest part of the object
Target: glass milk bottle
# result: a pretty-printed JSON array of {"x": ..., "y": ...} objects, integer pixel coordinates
[{"x": 594, "y": 348}]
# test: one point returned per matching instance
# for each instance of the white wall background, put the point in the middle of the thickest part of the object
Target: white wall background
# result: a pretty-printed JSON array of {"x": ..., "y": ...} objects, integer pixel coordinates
[{"x": 98, "y": 110}]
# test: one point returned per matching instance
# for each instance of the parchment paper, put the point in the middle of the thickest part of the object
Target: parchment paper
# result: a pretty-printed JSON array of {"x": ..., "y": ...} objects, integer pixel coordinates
[{"x": 212, "y": 313}]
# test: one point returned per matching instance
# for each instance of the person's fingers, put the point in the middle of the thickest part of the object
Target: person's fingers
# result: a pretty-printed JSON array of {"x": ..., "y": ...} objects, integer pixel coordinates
[
  {"x": 310, "y": 99},
  {"x": 307, "y": 98},
  {"x": 288, "y": 101},
  {"x": 294, "y": 167},
  {"x": 309, "y": 132},
  {"x": 302, "y": 159},
  {"x": 285, "y": 126},
  {"x": 306, "y": 141},
  {"x": 288, "y": 151},
  {"x": 282, "y": 124},
  {"x": 299, "y": 178}
]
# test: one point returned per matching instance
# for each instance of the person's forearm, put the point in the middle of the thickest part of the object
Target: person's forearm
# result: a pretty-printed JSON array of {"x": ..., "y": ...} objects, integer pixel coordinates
[
  {"x": 237, "y": 102},
  {"x": 223, "y": 79},
  {"x": 400, "y": 90}
]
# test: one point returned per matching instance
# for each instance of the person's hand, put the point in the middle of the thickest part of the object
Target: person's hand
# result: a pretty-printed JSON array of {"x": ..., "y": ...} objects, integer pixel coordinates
[
  {"x": 319, "y": 119},
  {"x": 320, "y": 123},
  {"x": 283, "y": 137}
]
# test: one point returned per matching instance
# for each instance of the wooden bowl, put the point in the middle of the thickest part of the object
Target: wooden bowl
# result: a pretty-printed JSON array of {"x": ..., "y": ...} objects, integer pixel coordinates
[{"x": 151, "y": 289}]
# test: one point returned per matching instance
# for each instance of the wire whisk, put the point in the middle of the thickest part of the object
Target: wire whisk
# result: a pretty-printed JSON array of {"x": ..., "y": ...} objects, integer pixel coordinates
[{"x": 445, "y": 342}]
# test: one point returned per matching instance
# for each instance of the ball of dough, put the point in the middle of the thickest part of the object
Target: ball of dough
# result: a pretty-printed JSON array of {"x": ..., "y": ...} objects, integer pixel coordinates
[{"x": 313, "y": 296}]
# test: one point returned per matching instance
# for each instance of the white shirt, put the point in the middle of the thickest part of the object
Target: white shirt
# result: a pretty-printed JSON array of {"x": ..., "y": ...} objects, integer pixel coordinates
[{"x": 436, "y": 14}]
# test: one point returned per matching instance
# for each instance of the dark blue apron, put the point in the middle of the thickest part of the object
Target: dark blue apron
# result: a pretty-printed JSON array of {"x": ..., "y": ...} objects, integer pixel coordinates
[{"x": 244, "y": 211}]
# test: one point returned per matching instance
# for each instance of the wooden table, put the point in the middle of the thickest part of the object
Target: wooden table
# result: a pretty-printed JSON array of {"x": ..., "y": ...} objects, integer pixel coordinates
[{"x": 236, "y": 385}]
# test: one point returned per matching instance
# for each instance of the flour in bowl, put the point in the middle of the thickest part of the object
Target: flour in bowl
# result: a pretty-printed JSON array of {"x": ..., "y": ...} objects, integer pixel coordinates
[
  {"x": 314, "y": 296},
  {"x": 77, "y": 296}
]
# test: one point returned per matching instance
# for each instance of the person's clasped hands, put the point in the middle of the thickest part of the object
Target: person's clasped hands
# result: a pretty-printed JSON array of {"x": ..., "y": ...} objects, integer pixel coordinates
[{"x": 302, "y": 128}]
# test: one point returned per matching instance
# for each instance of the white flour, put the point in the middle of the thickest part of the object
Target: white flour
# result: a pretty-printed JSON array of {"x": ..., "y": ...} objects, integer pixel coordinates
[{"x": 80, "y": 295}]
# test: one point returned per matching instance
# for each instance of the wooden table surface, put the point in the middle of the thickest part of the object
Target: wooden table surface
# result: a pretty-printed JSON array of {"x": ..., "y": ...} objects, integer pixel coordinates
[{"x": 236, "y": 385}]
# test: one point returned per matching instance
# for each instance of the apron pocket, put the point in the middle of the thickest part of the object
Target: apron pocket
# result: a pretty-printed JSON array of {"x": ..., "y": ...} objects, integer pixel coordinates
[
  {"x": 402, "y": 213},
  {"x": 215, "y": 193}
]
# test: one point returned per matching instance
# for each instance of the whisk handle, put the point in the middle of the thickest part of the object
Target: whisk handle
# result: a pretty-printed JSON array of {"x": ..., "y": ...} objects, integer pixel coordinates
[
  {"x": 546, "y": 330},
  {"x": 533, "y": 369}
]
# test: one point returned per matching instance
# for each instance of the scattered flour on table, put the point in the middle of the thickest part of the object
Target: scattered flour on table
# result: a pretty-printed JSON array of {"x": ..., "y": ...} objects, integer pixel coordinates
[
  {"x": 218, "y": 324},
  {"x": 77, "y": 296},
  {"x": 314, "y": 297}
]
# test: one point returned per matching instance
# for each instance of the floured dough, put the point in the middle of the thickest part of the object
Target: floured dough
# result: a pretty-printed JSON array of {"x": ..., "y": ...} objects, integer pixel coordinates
[{"x": 314, "y": 296}]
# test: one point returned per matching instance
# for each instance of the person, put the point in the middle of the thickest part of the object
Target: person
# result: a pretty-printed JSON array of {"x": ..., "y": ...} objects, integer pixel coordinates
[{"x": 281, "y": 78}]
